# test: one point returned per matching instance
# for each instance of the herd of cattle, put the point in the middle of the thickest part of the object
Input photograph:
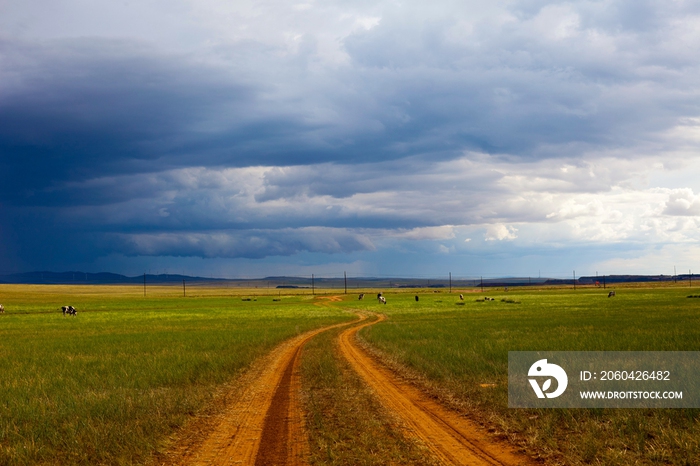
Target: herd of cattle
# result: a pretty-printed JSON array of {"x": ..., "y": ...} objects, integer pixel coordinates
[
  {"x": 382, "y": 299},
  {"x": 71, "y": 311}
]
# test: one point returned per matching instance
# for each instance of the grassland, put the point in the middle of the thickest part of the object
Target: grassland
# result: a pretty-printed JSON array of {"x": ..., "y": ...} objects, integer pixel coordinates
[
  {"x": 110, "y": 385},
  {"x": 346, "y": 423},
  {"x": 459, "y": 351}
]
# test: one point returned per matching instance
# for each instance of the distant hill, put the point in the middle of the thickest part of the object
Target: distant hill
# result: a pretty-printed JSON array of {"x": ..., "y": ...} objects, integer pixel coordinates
[
  {"x": 106, "y": 278},
  {"x": 102, "y": 278}
]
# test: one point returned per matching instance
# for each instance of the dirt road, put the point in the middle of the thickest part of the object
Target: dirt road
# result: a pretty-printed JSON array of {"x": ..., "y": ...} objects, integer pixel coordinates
[
  {"x": 452, "y": 438},
  {"x": 264, "y": 425}
]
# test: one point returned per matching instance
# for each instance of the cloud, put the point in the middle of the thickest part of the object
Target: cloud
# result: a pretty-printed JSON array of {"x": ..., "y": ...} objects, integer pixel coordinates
[
  {"x": 248, "y": 244},
  {"x": 199, "y": 211},
  {"x": 683, "y": 202},
  {"x": 500, "y": 232},
  {"x": 230, "y": 129},
  {"x": 428, "y": 233}
]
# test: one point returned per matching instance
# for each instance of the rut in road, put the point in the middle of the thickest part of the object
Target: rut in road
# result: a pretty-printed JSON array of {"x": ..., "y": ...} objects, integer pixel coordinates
[
  {"x": 264, "y": 425},
  {"x": 452, "y": 438}
]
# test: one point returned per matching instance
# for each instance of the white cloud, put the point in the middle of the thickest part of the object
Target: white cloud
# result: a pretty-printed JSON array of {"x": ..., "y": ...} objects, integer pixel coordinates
[
  {"x": 428, "y": 233},
  {"x": 683, "y": 202},
  {"x": 500, "y": 232}
]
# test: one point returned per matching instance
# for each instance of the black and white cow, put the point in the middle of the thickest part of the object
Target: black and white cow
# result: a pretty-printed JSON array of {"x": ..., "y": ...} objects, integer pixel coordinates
[
  {"x": 70, "y": 310},
  {"x": 362, "y": 296},
  {"x": 382, "y": 299},
  {"x": 611, "y": 294}
]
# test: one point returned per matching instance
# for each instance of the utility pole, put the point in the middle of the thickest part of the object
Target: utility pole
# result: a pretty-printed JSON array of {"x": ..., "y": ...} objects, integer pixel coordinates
[
  {"x": 482, "y": 284},
  {"x": 574, "y": 279},
  {"x": 313, "y": 289},
  {"x": 603, "y": 281},
  {"x": 674, "y": 274},
  {"x": 345, "y": 274},
  {"x": 450, "y": 282},
  {"x": 184, "y": 294},
  {"x": 690, "y": 278}
]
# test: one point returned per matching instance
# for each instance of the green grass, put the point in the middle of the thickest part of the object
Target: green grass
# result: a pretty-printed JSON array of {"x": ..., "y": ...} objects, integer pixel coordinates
[
  {"x": 346, "y": 423},
  {"x": 457, "y": 348},
  {"x": 109, "y": 386}
]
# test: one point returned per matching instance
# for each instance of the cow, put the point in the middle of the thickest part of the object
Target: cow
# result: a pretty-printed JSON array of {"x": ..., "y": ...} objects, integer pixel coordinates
[
  {"x": 70, "y": 310},
  {"x": 64, "y": 309},
  {"x": 611, "y": 294},
  {"x": 461, "y": 297},
  {"x": 379, "y": 295},
  {"x": 382, "y": 299},
  {"x": 2, "y": 309},
  {"x": 362, "y": 296},
  {"x": 416, "y": 298}
]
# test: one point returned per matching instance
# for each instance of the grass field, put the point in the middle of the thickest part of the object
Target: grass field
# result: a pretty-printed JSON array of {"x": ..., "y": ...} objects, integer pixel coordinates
[
  {"x": 346, "y": 423},
  {"x": 461, "y": 353},
  {"x": 109, "y": 386}
]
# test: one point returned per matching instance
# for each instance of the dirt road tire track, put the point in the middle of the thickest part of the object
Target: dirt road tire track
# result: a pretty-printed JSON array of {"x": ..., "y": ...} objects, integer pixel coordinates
[
  {"x": 264, "y": 425},
  {"x": 452, "y": 438}
]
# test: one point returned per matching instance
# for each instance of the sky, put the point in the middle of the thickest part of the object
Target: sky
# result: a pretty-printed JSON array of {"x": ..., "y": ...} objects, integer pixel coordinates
[{"x": 376, "y": 138}]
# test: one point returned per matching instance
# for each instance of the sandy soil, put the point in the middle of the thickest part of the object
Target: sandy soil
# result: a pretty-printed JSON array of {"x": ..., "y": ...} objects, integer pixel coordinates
[{"x": 452, "y": 438}]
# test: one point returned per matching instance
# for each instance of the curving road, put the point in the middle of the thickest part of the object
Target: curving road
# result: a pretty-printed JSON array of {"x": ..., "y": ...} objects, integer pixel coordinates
[{"x": 452, "y": 438}]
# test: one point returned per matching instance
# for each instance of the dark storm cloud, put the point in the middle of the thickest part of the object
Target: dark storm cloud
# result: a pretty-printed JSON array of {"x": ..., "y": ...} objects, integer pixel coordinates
[
  {"x": 299, "y": 127},
  {"x": 86, "y": 108},
  {"x": 251, "y": 244}
]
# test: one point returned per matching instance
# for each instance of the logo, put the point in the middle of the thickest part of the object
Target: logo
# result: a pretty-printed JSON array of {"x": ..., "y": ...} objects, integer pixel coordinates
[{"x": 543, "y": 369}]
